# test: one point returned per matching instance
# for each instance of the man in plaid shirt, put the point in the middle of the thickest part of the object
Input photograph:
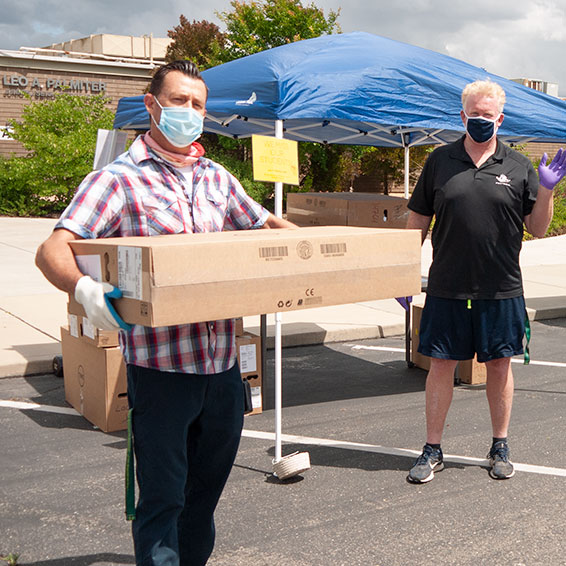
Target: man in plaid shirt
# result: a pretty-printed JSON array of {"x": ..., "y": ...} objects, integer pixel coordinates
[{"x": 184, "y": 384}]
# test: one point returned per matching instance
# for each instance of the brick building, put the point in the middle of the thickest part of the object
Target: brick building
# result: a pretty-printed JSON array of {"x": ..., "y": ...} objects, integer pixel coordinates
[{"x": 115, "y": 66}]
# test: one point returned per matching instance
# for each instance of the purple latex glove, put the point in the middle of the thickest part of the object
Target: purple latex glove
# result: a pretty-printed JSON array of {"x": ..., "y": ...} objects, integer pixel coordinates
[{"x": 550, "y": 175}]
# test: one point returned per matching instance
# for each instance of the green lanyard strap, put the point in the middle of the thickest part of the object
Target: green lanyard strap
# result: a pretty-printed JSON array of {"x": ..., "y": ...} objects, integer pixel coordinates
[
  {"x": 130, "y": 489},
  {"x": 527, "y": 356}
]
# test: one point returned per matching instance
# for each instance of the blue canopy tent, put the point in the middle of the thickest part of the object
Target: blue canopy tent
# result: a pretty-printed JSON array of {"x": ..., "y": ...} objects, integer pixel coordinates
[{"x": 358, "y": 89}]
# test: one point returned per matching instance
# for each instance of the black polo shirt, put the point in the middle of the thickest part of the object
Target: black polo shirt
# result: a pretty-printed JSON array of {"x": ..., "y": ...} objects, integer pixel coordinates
[{"x": 479, "y": 214}]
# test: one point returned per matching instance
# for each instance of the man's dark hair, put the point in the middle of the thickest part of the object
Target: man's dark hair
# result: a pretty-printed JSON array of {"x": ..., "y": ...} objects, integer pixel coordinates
[{"x": 186, "y": 67}]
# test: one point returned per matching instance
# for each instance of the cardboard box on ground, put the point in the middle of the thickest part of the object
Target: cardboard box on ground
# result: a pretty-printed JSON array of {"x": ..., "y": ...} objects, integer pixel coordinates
[
  {"x": 468, "y": 371},
  {"x": 182, "y": 278},
  {"x": 347, "y": 209},
  {"x": 95, "y": 373},
  {"x": 95, "y": 381}
]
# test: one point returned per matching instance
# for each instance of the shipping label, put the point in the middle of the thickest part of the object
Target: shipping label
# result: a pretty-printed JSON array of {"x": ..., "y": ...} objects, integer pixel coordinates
[
  {"x": 89, "y": 330},
  {"x": 248, "y": 358},
  {"x": 90, "y": 265},
  {"x": 74, "y": 325},
  {"x": 130, "y": 272}
]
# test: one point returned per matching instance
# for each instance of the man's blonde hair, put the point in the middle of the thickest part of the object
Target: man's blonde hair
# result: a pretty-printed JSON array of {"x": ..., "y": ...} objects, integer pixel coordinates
[{"x": 485, "y": 88}]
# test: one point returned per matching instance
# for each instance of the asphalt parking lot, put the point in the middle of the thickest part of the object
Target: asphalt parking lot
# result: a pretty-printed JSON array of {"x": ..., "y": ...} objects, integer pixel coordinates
[{"x": 359, "y": 411}]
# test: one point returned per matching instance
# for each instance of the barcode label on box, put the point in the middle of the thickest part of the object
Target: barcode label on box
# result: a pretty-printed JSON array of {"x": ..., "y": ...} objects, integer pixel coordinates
[
  {"x": 276, "y": 252},
  {"x": 333, "y": 249}
]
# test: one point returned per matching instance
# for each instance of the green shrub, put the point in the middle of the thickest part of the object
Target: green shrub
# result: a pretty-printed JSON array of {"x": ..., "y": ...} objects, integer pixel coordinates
[
  {"x": 558, "y": 222},
  {"x": 60, "y": 136}
]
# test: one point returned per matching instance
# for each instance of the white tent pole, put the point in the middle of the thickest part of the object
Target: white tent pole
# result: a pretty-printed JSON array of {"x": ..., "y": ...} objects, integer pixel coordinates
[
  {"x": 278, "y": 348},
  {"x": 406, "y": 171},
  {"x": 279, "y": 186}
]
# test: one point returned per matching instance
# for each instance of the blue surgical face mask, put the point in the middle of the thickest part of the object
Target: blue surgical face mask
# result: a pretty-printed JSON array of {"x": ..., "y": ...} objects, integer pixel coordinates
[
  {"x": 181, "y": 126},
  {"x": 480, "y": 129}
]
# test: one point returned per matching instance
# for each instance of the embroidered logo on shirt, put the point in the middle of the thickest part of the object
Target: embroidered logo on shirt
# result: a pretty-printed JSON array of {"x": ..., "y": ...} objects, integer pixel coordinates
[{"x": 503, "y": 180}]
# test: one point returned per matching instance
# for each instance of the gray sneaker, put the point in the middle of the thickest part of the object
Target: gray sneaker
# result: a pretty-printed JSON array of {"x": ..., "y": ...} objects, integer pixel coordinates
[
  {"x": 430, "y": 460},
  {"x": 501, "y": 466}
]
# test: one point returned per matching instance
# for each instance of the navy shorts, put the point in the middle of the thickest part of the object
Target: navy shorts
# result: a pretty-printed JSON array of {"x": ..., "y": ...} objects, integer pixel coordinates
[{"x": 491, "y": 328}]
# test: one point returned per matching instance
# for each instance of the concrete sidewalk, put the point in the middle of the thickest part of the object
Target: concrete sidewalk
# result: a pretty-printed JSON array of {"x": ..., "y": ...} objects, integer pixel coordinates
[{"x": 32, "y": 310}]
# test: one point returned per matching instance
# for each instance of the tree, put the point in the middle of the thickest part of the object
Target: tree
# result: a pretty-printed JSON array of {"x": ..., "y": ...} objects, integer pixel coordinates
[
  {"x": 252, "y": 27},
  {"x": 386, "y": 166},
  {"x": 198, "y": 41},
  {"x": 258, "y": 25},
  {"x": 60, "y": 135}
]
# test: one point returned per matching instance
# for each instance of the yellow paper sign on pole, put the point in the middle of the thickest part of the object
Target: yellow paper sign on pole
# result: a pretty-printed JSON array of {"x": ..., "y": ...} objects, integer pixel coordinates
[{"x": 275, "y": 160}]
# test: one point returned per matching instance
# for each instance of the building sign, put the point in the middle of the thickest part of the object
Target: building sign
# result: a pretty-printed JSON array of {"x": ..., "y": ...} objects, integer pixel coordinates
[
  {"x": 6, "y": 133},
  {"x": 18, "y": 86}
]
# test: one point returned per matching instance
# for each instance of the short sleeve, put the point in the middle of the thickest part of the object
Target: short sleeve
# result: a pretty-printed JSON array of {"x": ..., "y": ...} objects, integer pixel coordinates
[
  {"x": 422, "y": 199},
  {"x": 531, "y": 190},
  {"x": 244, "y": 213},
  {"x": 96, "y": 208}
]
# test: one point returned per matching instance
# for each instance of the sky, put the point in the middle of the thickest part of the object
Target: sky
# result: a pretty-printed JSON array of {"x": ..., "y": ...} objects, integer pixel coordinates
[{"x": 510, "y": 38}]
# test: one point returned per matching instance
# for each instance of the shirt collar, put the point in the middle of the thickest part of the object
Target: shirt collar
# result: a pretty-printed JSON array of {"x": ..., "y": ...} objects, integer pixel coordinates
[
  {"x": 139, "y": 152},
  {"x": 458, "y": 151}
]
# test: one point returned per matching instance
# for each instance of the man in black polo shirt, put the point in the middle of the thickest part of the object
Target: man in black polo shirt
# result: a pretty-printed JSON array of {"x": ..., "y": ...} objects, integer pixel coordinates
[{"x": 481, "y": 193}]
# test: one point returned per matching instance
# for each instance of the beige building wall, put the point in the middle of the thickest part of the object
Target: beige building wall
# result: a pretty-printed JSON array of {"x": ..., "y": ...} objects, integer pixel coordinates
[
  {"x": 535, "y": 150},
  {"x": 144, "y": 47}
]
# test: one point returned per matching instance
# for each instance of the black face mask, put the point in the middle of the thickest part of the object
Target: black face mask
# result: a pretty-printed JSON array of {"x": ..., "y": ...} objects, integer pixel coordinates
[{"x": 480, "y": 129}]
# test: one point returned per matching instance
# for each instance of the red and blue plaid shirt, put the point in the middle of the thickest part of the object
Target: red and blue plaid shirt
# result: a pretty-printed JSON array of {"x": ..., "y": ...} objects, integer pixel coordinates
[{"x": 140, "y": 194}]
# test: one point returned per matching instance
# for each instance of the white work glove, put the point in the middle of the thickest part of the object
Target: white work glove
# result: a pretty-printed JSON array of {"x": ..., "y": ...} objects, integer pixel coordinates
[{"x": 93, "y": 297}]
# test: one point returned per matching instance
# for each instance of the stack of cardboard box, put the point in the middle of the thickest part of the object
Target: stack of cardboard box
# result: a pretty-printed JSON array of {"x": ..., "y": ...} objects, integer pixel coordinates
[
  {"x": 181, "y": 278},
  {"x": 95, "y": 373},
  {"x": 248, "y": 348}
]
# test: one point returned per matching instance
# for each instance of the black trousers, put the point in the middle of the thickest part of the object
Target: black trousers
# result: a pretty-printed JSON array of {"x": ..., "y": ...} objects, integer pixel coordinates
[{"x": 186, "y": 430}]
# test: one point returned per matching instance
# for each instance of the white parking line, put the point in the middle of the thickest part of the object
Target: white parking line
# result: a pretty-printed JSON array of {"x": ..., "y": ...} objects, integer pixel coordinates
[
  {"x": 513, "y": 360},
  {"x": 535, "y": 363},
  {"x": 27, "y": 406},
  {"x": 312, "y": 441},
  {"x": 378, "y": 348},
  {"x": 376, "y": 449}
]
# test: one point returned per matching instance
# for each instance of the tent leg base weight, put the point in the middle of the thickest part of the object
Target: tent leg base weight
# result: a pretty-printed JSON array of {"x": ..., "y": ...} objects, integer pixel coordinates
[{"x": 291, "y": 465}]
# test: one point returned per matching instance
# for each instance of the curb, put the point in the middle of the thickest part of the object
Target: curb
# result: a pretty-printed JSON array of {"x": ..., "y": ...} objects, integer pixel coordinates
[{"x": 300, "y": 334}]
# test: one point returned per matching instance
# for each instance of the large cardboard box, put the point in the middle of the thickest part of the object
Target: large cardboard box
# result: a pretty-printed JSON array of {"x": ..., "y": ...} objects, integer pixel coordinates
[
  {"x": 468, "y": 371},
  {"x": 377, "y": 211},
  {"x": 183, "y": 278},
  {"x": 95, "y": 382},
  {"x": 248, "y": 348},
  {"x": 347, "y": 209}
]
